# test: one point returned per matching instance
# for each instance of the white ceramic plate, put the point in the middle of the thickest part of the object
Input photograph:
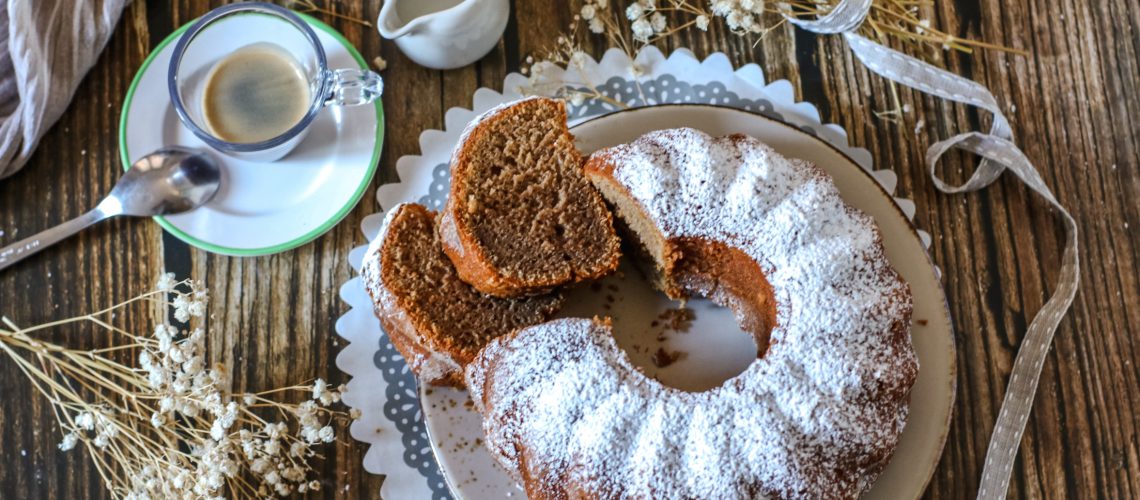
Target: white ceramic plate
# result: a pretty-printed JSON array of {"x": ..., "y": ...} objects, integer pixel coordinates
[
  {"x": 262, "y": 208},
  {"x": 716, "y": 347}
]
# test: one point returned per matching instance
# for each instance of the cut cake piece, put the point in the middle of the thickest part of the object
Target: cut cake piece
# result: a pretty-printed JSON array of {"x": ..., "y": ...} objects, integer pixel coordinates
[
  {"x": 434, "y": 319},
  {"x": 521, "y": 218}
]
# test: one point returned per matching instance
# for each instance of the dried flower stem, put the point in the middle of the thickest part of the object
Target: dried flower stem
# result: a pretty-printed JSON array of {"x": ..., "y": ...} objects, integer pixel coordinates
[
  {"x": 308, "y": 7},
  {"x": 171, "y": 427},
  {"x": 650, "y": 21}
]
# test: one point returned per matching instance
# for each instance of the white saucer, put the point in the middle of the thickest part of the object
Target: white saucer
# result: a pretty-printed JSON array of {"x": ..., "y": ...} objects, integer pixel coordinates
[
  {"x": 262, "y": 208},
  {"x": 716, "y": 347}
]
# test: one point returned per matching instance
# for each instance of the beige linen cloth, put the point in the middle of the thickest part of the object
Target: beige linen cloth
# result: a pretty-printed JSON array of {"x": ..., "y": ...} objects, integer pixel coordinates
[{"x": 46, "y": 46}]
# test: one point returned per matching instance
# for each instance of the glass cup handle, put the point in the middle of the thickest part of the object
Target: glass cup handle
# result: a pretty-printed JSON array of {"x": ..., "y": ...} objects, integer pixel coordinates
[{"x": 353, "y": 87}]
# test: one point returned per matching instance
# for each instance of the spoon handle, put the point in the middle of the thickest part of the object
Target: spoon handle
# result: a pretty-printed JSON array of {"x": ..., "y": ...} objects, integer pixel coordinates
[{"x": 19, "y": 250}]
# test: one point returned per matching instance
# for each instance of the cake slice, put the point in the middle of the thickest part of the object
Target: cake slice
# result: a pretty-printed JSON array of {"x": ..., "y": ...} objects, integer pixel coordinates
[
  {"x": 434, "y": 319},
  {"x": 521, "y": 218}
]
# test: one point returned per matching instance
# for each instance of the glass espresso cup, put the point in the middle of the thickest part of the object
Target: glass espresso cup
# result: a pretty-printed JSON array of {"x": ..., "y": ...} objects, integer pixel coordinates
[{"x": 276, "y": 32}]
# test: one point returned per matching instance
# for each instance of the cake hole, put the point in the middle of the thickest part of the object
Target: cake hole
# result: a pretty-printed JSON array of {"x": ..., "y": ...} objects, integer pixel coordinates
[
  {"x": 731, "y": 305},
  {"x": 693, "y": 346}
]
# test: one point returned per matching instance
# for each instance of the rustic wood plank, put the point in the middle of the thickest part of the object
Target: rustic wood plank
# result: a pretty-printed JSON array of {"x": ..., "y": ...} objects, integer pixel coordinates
[
  {"x": 76, "y": 165},
  {"x": 1072, "y": 104}
]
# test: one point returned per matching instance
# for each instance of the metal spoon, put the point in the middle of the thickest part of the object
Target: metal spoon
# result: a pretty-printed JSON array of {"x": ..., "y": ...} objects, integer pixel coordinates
[{"x": 167, "y": 181}]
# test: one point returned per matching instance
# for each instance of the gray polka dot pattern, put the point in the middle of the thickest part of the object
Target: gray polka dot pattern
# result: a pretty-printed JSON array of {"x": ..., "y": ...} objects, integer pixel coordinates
[
  {"x": 402, "y": 407},
  {"x": 665, "y": 89},
  {"x": 437, "y": 191}
]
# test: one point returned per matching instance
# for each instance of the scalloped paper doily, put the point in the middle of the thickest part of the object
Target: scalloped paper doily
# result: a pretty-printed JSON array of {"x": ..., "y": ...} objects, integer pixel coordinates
[{"x": 382, "y": 387}]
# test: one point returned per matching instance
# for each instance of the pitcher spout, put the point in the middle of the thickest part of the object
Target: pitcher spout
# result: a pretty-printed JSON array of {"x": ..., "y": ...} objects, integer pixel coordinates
[
  {"x": 389, "y": 23},
  {"x": 401, "y": 17}
]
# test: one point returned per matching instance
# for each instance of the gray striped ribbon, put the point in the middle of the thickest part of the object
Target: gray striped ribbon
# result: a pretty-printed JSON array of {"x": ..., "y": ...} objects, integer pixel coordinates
[{"x": 998, "y": 154}]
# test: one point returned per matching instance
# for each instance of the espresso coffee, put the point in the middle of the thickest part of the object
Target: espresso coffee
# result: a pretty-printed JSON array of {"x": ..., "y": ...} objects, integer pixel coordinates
[{"x": 255, "y": 94}]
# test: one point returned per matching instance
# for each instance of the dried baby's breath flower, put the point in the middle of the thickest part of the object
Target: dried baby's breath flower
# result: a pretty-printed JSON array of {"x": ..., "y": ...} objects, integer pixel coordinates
[
  {"x": 642, "y": 30},
  {"x": 635, "y": 11},
  {"x": 69, "y": 441},
  {"x": 589, "y": 12},
  {"x": 630, "y": 25},
  {"x": 166, "y": 282},
  {"x": 171, "y": 427},
  {"x": 702, "y": 22},
  {"x": 320, "y": 389}
]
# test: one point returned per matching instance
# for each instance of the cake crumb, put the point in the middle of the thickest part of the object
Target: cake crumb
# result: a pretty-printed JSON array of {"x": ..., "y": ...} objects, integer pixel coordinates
[
  {"x": 921, "y": 322},
  {"x": 678, "y": 319},
  {"x": 663, "y": 358}
]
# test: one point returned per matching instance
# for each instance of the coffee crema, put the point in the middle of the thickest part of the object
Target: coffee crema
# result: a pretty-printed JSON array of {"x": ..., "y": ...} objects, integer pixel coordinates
[{"x": 255, "y": 94}]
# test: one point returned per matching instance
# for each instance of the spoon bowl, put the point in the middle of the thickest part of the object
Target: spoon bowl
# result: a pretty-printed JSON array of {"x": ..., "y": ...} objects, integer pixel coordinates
[{"x": 168, "y": 181}]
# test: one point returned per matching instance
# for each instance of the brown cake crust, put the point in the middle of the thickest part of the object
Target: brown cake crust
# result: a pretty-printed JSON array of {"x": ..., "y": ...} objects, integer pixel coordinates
[
  {"x": 520, "y": 218},
  {"x": 436, "y": 321}
]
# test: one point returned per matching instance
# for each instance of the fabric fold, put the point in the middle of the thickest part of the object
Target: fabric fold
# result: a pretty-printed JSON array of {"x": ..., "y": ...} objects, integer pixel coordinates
[{"x": 46, "y": 48}]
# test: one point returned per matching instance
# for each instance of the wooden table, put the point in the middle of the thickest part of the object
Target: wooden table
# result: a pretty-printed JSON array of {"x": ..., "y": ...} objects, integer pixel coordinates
[{"x": 1072, "y": 103}]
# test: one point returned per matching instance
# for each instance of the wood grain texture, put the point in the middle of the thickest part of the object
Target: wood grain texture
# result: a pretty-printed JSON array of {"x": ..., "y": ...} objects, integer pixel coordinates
[{"x": 1072, "y": 104}]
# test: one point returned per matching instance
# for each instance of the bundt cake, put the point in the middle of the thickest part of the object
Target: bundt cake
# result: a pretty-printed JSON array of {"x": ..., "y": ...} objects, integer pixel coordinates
[
  {"x": 520, "y": 217},
  {"x": 817, "y": 415},
  {"x": 437, "y": 322}
]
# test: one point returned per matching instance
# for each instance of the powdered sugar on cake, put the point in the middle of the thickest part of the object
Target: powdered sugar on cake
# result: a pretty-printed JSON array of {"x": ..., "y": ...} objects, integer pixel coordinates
[{"x": 818, "y": 416}]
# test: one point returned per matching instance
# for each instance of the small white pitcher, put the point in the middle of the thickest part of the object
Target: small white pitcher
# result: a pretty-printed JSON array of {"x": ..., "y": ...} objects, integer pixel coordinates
[{"x": 444, "y": 34}]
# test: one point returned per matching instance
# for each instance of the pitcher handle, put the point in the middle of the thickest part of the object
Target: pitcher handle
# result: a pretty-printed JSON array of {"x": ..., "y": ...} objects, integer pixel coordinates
[{"x": 353, "y": 87}]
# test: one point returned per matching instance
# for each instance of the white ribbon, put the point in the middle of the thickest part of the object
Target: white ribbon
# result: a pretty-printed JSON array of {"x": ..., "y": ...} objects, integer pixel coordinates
[{"x": 998, "y": 154}]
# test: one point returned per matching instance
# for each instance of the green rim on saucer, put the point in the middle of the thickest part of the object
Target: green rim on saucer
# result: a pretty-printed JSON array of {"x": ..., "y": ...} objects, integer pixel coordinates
[{"x": 296, "y": 242}]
